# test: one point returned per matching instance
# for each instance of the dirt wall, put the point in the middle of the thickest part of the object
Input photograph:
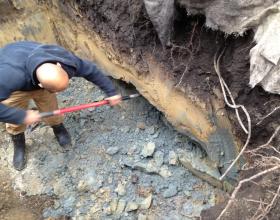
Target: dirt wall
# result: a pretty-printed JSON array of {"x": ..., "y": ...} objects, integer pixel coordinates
[{"x": 188, "y": 61}]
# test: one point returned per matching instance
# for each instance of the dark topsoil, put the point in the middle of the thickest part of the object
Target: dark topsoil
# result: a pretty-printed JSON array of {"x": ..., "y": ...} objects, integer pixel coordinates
[{"x": 126, "y": 25}]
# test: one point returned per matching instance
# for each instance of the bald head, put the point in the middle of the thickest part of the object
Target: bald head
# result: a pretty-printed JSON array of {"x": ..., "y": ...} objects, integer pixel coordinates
[{"x": 52, "y": 77}]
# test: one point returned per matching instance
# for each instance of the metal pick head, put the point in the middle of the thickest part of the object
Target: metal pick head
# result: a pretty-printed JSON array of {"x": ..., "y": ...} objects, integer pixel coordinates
[{"x": 134, "y": 95}]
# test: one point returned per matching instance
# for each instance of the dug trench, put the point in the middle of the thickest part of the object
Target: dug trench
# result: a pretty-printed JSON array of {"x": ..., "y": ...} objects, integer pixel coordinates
[
  {"x": 130, "y": 162},
  {"x": 123, "y": 159}
]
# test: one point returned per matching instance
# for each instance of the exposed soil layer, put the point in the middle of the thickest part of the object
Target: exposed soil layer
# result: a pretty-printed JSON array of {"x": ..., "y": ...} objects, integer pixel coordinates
[
  {"x": 189, "y": 58},
  {"x": 16, "y": 205},
  {"x": 247, "y": 204}
]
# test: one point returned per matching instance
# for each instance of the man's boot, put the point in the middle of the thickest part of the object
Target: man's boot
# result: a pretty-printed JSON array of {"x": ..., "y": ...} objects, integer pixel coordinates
[
  {"x": 61, "y": 135},
  {"x": 19, "y": 151}
]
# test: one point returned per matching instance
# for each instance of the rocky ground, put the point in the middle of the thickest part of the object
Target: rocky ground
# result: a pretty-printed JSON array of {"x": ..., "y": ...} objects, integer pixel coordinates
[{"x": 123, "y": 164}]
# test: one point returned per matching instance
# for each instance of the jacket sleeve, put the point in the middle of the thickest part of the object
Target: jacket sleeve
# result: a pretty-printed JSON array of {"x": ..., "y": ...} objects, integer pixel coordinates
[
  {"x": 11, "y": 115},
  {"x": 92, "y": 73}
]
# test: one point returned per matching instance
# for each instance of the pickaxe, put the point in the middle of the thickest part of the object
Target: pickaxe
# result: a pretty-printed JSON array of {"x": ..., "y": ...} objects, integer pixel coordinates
[{"x": 83, "y": 106}]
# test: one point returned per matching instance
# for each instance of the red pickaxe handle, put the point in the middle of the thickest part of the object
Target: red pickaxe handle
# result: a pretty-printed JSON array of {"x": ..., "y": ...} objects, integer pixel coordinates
[{"x": 83, "y": 106}]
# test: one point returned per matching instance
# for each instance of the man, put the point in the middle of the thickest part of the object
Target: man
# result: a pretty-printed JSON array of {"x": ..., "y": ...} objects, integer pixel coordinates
[{"x": 30, "y": 70}]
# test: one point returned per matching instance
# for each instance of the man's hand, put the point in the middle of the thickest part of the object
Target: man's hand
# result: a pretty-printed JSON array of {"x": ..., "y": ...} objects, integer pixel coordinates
[
  {"x": 114, "y": 100},
  {"x": 31, "y": 117}
]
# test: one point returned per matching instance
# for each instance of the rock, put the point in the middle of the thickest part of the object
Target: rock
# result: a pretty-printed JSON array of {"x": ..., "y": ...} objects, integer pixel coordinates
[
  {"x": 114, "y": 204},
  {"x": 120, "y": 207},
  {"x": 94, "y": 182},
  {"x": 156, "y": 135},
  {"x": 198, "y": 197},
  {"x": 125, "y": 129},
  {"x": 146, "y": 203},
  {"x": 82, "y": 122},
  {"x": 147, "y": 167},
  {"x": 134, "y": 179},
  {"x": 69, "y": 203},
  {"x": 164, "y": 171},
  {"x": 151, "y": 130},
  {"x": 174, "y": 215},
  {"x": 187, "y": 208},
  {"x": 107, "y": 210},
  {"x": 89, "y": 184},
  {"x": 187, "y": 193},
  {"x": 110, "y": 180},
  {"x": 152, "y": 167},
  {"x": 144, "y": 191},
  {"x": 128, "y": 162},
  {"x": 141, "y": 125},
  {"x": 42, "y": 157},
  {"x": 48, "y": 190},
  {"x": 137, "y": 130},
  {"x": 172, "y": 158},
  {"x": 148, "y": 149},
  {"x": 178, "y": 139},
  {"x": 170, "y": 192},
  {"x": 132, "y": 150},
  {"x": 101, "y": 97},
  {"x": 131, "y": 206},
  {"x": 29, "y": 142},
  {"x": 56, "y": 204},
  {"x": 112, "y": 150},
  {"x": 159, "y": 158},
  {"x": 44, "y": 131},
  {"x": 120, "y": 189},
  {"x": 84, "y": 209},
  {"x": 142, "y": 217},
  {"x": 81, "y": 186}
]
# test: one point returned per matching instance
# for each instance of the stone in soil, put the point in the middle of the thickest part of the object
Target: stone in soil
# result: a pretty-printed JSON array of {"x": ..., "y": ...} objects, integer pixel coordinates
[
  {"x": 120, "y": 207},
  {"x": 159, "y": 158},
  {"x": 141, "y": 125},
  {"x": 120, "y": 189},
  {"x": 172, "y": 158},
  {"x": 148, "y": 149},
  {"x": 146, "y": 203},
  {"x": 131, "y": 206},
  {"x": 165, "y": 172},
  {"x": 142, "y": 217},
  {"x": 112, "y": 150},
  {"x": 114, "y": 204},
  {"x": 170, "y": 192}
]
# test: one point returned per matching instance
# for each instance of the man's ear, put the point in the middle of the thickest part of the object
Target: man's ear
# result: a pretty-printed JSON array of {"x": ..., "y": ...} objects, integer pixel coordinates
[
  {"x": 58, "y": 64},
  {"x": 40, "y": 85}
]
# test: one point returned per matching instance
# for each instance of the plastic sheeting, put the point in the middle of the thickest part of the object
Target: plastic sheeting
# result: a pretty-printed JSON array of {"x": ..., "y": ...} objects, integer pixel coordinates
[
  {"x": 230, "y": 16},
  {"x": 161, "y": 13},
  {"x": 265, "y": 56}
]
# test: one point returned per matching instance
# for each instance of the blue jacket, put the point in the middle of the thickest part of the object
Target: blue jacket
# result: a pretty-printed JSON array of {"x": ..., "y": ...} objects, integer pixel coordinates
[{"x": 18, "y": 64}]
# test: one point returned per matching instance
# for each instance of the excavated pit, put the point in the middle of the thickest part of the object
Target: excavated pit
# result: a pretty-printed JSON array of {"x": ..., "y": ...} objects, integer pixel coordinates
[
  {"x": 123, "y": 163},
  {"x": 178, "y": 80}
]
